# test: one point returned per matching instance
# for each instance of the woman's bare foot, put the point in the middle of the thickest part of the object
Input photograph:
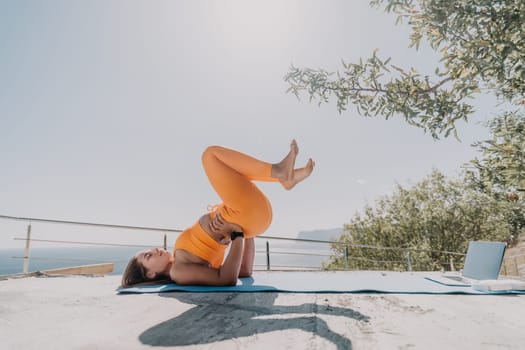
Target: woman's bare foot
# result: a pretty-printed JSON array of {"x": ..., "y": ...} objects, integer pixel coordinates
[
  {"x": 285, "y": 168},
  {"x": 299, "y": 175}
]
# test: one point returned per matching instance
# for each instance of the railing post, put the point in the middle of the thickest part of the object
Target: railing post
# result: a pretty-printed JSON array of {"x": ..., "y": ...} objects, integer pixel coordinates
[
  {"x": 267, "y": 255},
  {"x": 409, "y": 263},
  {"x": 165, "y": 243},
  {"x": 346, "y": 256},
  {"x": 26, "y": 253}
]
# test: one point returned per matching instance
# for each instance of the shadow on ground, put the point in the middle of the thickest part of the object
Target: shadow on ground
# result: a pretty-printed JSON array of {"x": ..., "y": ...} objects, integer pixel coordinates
[{"x": 222, "y": 316}]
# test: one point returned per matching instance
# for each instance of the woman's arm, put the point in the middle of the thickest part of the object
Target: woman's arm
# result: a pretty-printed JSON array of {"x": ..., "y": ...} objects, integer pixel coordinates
[
  {"x": 247, "y": 258},
  {"x": 227, "y": 274},
  {"x": 191, "y": 273}
]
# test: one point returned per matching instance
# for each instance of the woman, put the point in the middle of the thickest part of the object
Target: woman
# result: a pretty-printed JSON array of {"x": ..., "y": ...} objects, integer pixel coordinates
[{"x": 245, "y": 212}]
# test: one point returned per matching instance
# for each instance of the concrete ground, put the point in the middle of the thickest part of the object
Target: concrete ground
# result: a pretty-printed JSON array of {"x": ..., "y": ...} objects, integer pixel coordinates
[{"x": 86, "y": 313}]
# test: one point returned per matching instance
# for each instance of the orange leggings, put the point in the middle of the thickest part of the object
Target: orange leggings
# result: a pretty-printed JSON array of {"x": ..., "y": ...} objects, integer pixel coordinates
[{"x": 231, "y": 174}]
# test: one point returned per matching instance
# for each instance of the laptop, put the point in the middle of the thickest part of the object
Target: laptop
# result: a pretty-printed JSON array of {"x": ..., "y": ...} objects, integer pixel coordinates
[{"x": 483, "y": 262}]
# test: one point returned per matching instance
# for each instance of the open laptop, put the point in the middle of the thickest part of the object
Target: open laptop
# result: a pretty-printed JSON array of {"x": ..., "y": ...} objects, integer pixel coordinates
[{"x": 483, "y": 262}]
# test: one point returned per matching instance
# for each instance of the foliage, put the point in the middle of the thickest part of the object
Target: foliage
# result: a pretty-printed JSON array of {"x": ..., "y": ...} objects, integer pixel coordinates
[
  {"x": 500, "y": 171},
  {"x": 436, "y": 215},
  {"x": 481, "y": 43},
  {"x": 502, "y": 166}
]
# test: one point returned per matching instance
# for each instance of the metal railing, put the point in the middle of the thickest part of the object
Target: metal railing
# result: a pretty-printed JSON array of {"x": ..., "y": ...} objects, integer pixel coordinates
[
  {"x": 28, "y": 238},
  {"x": 267, "y": 253}
]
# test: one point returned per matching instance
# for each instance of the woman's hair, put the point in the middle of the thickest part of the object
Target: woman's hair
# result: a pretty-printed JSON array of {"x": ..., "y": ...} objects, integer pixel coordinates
[{"x": 135, "y": 274}]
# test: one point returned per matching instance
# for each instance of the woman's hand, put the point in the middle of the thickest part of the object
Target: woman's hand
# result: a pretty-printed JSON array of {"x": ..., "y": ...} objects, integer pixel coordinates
[{"x": 220, "y": 226}]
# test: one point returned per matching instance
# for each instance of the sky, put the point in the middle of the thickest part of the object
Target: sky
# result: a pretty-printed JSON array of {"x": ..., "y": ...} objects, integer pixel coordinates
[{"x": 106, "y": 107}]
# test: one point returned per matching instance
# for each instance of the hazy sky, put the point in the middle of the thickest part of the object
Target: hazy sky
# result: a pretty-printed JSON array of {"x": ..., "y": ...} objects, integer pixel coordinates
[{"x": 106, "y": 107}]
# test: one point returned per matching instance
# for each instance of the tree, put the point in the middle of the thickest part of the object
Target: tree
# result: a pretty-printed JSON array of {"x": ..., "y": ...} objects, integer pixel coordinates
[
  {"x": 435, "y": 216},
  {"x": 501, "y": 169},
  {"x": 438, "y": 215},
  {"x": 481, "y": 44}
]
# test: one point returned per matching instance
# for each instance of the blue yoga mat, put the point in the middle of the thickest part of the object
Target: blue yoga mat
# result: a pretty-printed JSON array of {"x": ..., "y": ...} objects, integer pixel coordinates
[{"x": 325, "y": 282}]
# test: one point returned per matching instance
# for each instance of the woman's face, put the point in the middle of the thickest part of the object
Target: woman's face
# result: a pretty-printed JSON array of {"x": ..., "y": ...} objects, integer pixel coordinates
[{"x": 155, "y": 260}]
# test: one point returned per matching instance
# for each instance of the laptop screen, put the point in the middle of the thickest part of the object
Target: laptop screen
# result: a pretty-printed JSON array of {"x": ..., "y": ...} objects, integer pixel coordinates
[{"x": 483, "y": 261}]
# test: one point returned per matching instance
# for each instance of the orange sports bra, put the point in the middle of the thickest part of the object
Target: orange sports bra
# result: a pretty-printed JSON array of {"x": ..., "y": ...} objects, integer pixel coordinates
[{"x": 198, "y": 242}]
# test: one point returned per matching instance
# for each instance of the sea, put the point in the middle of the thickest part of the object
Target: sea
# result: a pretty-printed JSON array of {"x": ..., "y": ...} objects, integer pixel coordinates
[{"x": 284, "y": 255}]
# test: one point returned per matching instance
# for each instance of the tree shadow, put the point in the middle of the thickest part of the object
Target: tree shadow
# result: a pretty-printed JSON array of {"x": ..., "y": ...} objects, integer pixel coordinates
[{"x": 222, "y": 316}]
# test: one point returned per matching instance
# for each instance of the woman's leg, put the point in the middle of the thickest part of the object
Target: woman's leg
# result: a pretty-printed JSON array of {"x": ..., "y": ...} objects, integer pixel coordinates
[{"x": 230, "y": 173}]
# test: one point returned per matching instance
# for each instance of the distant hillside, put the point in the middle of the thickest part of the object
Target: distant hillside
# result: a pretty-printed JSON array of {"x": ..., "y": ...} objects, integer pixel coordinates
[{"x": 332, "y": 234}]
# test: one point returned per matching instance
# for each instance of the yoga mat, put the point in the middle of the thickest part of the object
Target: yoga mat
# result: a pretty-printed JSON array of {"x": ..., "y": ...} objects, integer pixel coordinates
[{"x": 326, "y": 282}]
